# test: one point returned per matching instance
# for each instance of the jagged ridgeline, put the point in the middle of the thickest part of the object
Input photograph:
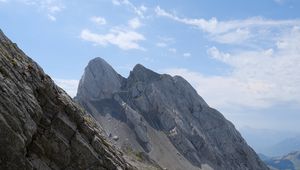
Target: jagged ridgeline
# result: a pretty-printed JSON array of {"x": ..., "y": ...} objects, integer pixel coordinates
[
  {"x": 40, "y": 126},
  {"x": 164, "y": 118}
]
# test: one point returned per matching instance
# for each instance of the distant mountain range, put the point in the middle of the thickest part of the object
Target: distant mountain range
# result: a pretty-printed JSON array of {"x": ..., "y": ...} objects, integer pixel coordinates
[
  {"x": 285, "y": 146},
  {"x": 271, "y": 143},
  {"x": 290, "y": 161}
]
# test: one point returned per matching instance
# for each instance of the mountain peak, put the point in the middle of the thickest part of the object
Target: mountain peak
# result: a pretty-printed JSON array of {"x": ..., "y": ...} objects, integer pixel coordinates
[
  {"x": 99, "y": 80},
  {"x": 143, "y": 74},
  {"x": 139, "y": 67},
  {"x": 98, "y": 61},
  {"x": 166, "y": 117}
]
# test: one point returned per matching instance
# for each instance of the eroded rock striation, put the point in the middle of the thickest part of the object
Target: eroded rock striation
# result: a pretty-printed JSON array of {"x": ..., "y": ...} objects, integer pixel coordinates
[
  {"x": 163, "y": 117},
  {"x": 41, "y": 127}
]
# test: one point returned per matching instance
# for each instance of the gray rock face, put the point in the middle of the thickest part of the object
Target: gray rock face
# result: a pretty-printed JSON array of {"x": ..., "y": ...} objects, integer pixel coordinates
[
  {"x": 164, "y": 117},
  {"x": 41, "y": 127},
  {"x": 99, "y": 80}
]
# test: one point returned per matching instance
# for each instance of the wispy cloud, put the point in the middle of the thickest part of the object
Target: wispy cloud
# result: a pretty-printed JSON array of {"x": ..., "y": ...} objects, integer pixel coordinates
[
  {"x": 50, "y": 7},
  {"x": 164, "y": 41},
  {"x": 51, "y": 17},
  {"x": 161, "y": 44},
  {"x": 134, "y": 23},
  {"x": 258, "y": 79},
  {"x": 186, "y": 55},
  {"x": 124, "y": 39},
  {"x": 231, "y": 31},
  {"x": 98, "y": 20},
  {"x": 70, "y": 86},
  {"x": 139, "y": 10},
  {"x": 219, "y": 91},
  {"x": 172, "y": 50}
]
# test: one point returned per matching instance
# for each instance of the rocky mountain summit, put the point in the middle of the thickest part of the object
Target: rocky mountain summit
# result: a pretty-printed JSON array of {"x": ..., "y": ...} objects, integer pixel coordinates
[
  {"x": 41, "y": 127},
  {"x": 164, "y": 118}
]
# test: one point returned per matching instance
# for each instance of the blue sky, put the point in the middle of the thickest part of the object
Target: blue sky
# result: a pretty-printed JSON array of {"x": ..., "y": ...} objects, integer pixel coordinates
[{"x": 242, "y": 57}]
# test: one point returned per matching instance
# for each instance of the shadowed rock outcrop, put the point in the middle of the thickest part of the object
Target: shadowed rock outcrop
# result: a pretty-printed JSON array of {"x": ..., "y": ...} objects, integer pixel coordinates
[
  {"x": 163, "y": 117},
  {"x": 41, "y": 127}
]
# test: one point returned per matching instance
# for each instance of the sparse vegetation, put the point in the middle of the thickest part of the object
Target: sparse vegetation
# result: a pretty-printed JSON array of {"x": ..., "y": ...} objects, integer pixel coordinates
[
  {"x": 88, "y": 119},
  {"x": 30, "y": 67},
  {"x": 14, "y": 62},
  {"x": 139, "y": 156},
  {"x": 3, "y": 72}
]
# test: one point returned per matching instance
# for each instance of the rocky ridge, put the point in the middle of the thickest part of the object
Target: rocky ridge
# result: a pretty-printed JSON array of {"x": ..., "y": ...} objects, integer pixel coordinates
[
  {"x": 41, "y": 127},
  {"x": 163, "y": 117}
]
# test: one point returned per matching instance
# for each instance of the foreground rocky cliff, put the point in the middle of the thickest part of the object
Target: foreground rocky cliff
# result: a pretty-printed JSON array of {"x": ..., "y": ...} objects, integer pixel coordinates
[
  {"x": 40, "y": 126},
  {"x": 163, "y": 118}
]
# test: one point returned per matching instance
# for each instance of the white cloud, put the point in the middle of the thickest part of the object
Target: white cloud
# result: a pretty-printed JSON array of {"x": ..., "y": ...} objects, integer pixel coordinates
[
  {"x": 165, "y": 41},
  {"x": 172, "y": 50},
  {"x": 51, "y": 17},
  {"x": 231, "y": 31},
  {"x": 124, "y": 39},
  {"x": 134, "y": 23},
  {"x": 258, "y": 79},
  {"x": 223, "y": 92},
  {"x": 243, "y": 102},
  {"x": 186, "y": 55},
  {"x": 98, "y": 20},
  {"x": 50, "y": 7},
  {"x": 262, "y": 73},
  {"x": 70, "y": 86},
  {"x": 232, "y": 37},
  {"x": 161, "y": 44},
  {"x": 116, "y": 2},
  {"x": 143, "y": 8},
  {"x": 54, "y": 9},
  {"x": 214, "y": 26},
  {"x": 139, "y": 10}
]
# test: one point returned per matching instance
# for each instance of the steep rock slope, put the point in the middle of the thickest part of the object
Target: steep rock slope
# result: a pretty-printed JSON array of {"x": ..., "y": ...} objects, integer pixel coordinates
[
  {"x": 40, "y": 126},
  {"x": 164, "y": 118}
]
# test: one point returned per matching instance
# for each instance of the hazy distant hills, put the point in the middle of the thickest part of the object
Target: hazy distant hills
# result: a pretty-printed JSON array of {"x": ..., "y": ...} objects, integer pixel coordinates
[
  {"x": 290, "y": 161},
  {"x": 285, "y": 146},
  {"x": 279, "y": 150},
  {"x": 271, "y": 143}
]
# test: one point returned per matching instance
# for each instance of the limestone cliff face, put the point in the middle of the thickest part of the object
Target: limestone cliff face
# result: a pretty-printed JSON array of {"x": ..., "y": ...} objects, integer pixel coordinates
[
  {"x": 40, "y": 126},
  {"x": 163, "y": 117},
  {"x": 99, "y": 81}
]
